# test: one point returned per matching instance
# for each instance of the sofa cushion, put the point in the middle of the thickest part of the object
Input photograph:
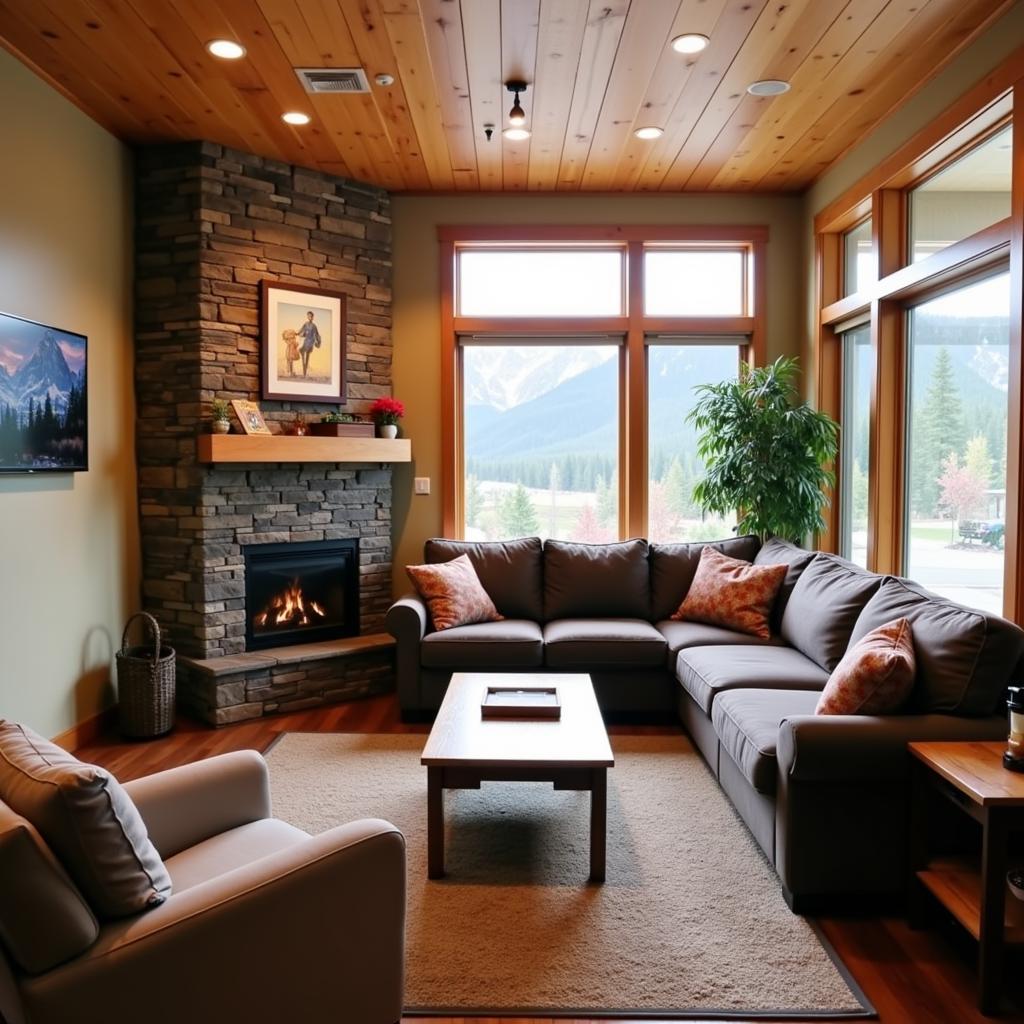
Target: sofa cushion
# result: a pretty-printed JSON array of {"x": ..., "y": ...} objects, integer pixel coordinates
[
  {"x": 599, "y": 580},
  {"x": 680, "y": 635},
  {"x": 705, "y": 672},
  {"x": 43, "y": 918},
  {"x": 87, "y": 819},
  {"x": 673, "y": 567},
  {"x": 875, "y": 676},
  {"x": 823, "y": 608},
  {"x": 747, "y": 725},
  {"x": 511, "y": 643},
  {"x": 965, "y": 657},
  {"x": 578, "y": 643},
  {"x": 796, "y": 559},
  {"x": 232, "y": 849},
  {"x": 453, "y": 593},
  {"x": 511, "y": 571},
  {"x": 728, "y": 592}
]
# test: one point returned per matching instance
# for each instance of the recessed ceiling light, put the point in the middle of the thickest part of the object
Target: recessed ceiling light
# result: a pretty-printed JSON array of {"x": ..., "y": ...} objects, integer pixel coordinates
[
  {"x": 650, "y": 132},
  {"x": 295, "y": 117},
  {"x": 226, "y": 49},
  {"x": 768, "y": 87},
  {"x": 691, "y": 42},
  {"x": 516, "y": 134}
]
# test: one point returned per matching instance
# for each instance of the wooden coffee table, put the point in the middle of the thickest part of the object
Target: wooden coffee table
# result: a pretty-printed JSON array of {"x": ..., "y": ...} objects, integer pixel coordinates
[{"x": 464, "y": 749}]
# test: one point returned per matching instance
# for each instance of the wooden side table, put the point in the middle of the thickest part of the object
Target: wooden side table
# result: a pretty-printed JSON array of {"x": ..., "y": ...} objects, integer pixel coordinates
[{"x": 971, "y": 775}]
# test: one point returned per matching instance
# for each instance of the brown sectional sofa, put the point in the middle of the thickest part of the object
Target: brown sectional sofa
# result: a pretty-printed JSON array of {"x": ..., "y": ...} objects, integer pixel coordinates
[{"x": 824, "y": 796}]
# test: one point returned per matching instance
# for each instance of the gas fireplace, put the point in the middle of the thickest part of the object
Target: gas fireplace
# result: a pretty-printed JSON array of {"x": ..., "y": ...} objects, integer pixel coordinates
[{"x": 300, "y": 593}]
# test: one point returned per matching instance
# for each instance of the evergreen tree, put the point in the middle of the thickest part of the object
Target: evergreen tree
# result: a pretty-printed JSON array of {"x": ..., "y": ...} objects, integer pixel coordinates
[
  {"x": 607, "y": 509},
  {"x": 517, "y": 515},
  {"x": 554, "y": 478},
  {"x": 938, "y": 430},
  {"x": 677, "y": 496},
  {"x": 474, "y": 501}
]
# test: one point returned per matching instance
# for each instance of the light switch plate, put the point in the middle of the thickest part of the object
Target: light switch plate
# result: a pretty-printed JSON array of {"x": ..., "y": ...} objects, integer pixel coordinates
[{"x": 421, "y": 485}]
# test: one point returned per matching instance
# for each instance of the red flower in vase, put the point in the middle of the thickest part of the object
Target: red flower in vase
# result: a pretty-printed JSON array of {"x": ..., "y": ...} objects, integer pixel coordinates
[{"x": 387, "y": 411}]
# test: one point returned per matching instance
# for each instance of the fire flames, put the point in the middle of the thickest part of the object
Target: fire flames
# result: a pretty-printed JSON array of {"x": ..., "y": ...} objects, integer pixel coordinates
[{"x": 291, "y": 609}]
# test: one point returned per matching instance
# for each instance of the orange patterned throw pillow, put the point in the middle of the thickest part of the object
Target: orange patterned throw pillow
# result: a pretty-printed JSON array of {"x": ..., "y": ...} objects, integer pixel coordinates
[
  {"x": 453, "y": 592},
  {"x": 875, "y": 676},
  {"x": 732, "y": 593}
]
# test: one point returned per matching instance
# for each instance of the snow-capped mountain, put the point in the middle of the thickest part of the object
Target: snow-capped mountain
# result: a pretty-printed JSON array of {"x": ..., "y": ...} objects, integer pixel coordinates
[
  {"x": 503, "y": 378},
  {"x": 45, "y": 373}
]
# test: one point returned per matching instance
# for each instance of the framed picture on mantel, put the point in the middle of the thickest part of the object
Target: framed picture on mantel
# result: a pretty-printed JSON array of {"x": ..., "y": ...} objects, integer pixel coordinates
[{"x": 302, "y": 346}]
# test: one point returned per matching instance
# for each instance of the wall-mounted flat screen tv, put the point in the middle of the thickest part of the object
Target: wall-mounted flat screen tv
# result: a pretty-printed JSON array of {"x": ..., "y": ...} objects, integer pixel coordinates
[{"x": 43, "y": 404}]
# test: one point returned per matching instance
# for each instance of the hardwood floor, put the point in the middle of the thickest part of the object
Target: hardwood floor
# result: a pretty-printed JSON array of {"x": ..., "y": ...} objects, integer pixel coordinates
[{"x": 912, "y": 977}]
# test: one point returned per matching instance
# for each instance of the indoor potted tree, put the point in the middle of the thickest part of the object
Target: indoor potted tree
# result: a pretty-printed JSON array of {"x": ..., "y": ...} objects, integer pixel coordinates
[
  {"x": 765, "y": 452},
  {"x": 386, "y": 413}
]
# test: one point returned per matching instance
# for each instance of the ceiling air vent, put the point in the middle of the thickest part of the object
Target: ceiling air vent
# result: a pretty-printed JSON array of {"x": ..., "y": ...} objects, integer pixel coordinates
[{"x": 320, "y": 80}]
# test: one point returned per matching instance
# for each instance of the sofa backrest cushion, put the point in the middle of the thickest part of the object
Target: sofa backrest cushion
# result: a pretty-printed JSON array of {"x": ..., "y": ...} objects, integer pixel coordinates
[
  {"x": 87, "y": 820},
  {"x": 796, "y": 559},
  {"x": 823, "y": 608},
  {"x": 511, "y": 571},
  {"x": 602, "y": 580},
  {"x": 673, "y": 567},
  {"x": 965, "y": 657},
  {"x": 43, "y": 918}
]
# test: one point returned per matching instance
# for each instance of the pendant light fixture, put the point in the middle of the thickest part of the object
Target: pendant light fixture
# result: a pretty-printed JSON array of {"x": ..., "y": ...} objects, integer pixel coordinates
[{"x": 516, "y": 129}]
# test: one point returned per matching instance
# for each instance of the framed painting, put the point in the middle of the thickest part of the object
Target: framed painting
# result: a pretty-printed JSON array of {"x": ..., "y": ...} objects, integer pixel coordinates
[
  {"x": 302, "y": 344},
  {"x": 44, "y": 418}
]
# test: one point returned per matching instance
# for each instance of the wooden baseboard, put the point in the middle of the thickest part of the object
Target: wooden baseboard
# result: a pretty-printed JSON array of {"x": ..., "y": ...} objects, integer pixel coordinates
[{"x": 89, "y": 731}]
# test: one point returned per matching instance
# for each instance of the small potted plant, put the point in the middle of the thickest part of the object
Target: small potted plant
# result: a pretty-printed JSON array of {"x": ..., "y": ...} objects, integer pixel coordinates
[
  {"x": 220, "y": 414},
  {"x": 386, "y": 413},
  {"x": 341, "y": 424}
]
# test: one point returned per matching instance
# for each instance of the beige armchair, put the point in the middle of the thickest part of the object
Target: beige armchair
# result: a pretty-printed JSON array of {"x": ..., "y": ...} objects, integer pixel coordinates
[{"x": 265, "y": 923}]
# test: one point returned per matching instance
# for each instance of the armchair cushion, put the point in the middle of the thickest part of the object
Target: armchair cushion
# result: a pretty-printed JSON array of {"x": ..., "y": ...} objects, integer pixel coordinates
[
  {"x": 232, "y": 849},
  {"x": 87, "y": 819},
  {"x": 43, "y": 918},
  {"x": 183, "y": 806}
]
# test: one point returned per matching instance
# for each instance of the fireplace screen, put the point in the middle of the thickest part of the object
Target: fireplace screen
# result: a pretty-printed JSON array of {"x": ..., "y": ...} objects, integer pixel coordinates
[{"x": 301, "y": 593}]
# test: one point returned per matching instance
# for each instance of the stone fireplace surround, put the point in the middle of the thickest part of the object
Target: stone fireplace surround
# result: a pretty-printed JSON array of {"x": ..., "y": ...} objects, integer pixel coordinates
[{"x": 211, "y": 224}]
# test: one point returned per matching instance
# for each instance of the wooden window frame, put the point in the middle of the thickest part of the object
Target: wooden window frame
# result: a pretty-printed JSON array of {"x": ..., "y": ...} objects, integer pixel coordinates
[
  {"x": 883, "y": 194},
  {"x": 633, "y": 329}
]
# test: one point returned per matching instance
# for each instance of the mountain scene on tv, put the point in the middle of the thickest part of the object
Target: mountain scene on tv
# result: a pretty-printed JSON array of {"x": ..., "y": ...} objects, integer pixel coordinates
[{"x": 42, "y": 397}]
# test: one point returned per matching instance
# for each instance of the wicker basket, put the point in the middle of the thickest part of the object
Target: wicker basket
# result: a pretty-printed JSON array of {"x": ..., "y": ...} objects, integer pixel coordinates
[{"x": 145, "y": 684}]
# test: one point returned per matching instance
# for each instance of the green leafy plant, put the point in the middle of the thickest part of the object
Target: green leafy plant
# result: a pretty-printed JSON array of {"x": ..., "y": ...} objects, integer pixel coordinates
[
  {"x": 764, "y": 452},
  {"x": 338, "y": 417},
  {"x": 220, "y": 410}
]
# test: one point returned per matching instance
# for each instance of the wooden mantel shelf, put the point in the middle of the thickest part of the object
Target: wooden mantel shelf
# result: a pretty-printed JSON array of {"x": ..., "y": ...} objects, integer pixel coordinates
[{"x": 285, "y": 448}]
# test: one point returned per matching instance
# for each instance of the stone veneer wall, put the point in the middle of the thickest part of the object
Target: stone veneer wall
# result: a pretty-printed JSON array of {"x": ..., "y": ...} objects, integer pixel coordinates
[{"x": 211, "y": 224}]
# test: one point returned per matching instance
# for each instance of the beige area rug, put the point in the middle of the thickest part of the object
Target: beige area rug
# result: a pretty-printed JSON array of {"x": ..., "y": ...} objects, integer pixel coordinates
[{"x": 690, "y": 922}]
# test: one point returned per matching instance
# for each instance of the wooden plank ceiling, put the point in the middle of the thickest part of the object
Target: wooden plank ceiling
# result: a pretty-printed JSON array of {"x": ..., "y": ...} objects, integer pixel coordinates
[{"x": 597, "y": 70}]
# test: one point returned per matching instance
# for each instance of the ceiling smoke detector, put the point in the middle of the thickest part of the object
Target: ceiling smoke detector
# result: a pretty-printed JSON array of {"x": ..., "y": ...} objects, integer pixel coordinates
[
  {"x": 768, "y": 87},
  {"x": 333, "y": 80}
]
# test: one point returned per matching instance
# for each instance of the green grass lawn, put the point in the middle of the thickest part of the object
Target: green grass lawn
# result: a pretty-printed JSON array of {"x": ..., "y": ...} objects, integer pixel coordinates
[{"x": 944, "y": 533}]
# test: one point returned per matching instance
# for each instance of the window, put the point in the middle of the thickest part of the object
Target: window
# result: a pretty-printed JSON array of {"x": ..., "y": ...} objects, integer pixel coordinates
[
  {"x": 541, "y": 440},
  {"x": 860, "y": 268},
  {"x": 694, "y": 282},
  {"x": 569, "y": 359},
  {"x": 958, "y": 377},
  {"x": 963, "y": 198},
  {"x": 854, "y": 482},
  {"x": 537, "y": 282},
  {"x": 674, "y": 372}
]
